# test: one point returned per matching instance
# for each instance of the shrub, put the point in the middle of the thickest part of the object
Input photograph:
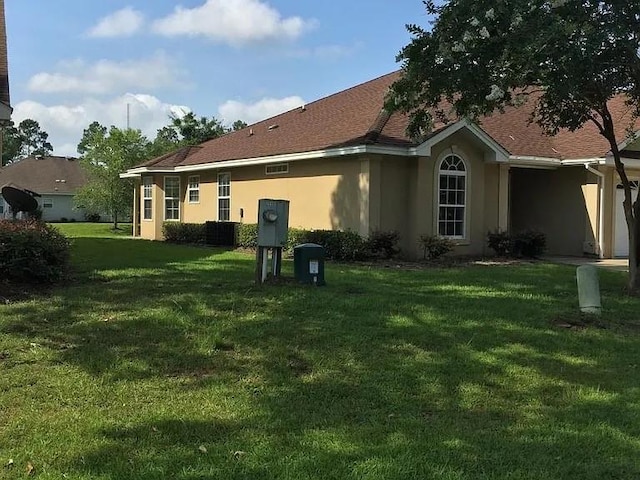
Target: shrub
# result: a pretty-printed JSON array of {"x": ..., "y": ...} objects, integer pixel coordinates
[
  {"x": 500, "y": 242},
  {"x": 64, "y": 220},
  {"x": 92, "y": 217},
  {"x": 529, "y": 243},
  {"x": 384, "y": 244},
  {"x": 189, "y": 233},
  {"x": 36, "y": 214},
  {"x": 345, "y": 246},
  {"x": 248, "y": 235},
  {"x": 32, "y": 252},
  {"x": 434, "y": 246}
]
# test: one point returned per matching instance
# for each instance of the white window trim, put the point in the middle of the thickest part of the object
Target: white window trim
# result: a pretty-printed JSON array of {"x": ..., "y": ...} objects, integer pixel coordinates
[
  {"x": 47, "y": 200},
  {"x": 279, "y": 172},
  {"x": 171, "y": 198},
  {"x": 144, "y": 198},
  {"x": 223, "y": 197},
  {"x": 456, "y": 152},
  {"x": 190, "y": 189}
]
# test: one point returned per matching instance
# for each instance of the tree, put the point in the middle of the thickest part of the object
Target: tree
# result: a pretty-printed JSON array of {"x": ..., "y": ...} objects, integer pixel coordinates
[
  {"x": 193, "y": 130},
  {"x": 24, "y": 140},
  {"x": 106, "y": 154},
  {"x": 238, "y": 125},
  {"x": 34, "y": 139},
  {"x": 568, "y": 57},
  {"x": 167, "y": 140}
]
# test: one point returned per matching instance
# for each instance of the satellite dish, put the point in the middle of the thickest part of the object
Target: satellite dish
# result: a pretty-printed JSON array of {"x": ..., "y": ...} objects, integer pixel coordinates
[{"x": 20, "y": 199}]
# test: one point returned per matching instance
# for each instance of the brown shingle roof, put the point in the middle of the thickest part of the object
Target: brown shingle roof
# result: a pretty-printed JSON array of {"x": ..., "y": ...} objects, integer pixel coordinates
[
  {"x": 45, "y": 175},
  {"x": 356, "y": 117}
]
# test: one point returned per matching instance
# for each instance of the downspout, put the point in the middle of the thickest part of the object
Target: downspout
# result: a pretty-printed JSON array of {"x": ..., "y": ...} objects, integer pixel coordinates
[{"x": 600, "y": 176}]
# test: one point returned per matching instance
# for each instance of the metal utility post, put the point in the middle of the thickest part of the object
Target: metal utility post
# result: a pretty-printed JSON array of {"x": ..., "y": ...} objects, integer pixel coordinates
[{"x": 273, "y": 232}]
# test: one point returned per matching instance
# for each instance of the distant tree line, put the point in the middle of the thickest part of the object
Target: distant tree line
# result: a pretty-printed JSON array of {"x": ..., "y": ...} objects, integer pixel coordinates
[
  {"x": 107, "y": 152},
  {"x": 24, "y": 140}
]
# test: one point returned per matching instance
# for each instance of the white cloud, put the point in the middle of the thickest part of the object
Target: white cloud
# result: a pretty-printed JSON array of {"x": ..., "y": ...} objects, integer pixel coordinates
[
  {"x": 65, "y": 123},
  {"x": 107, "y": 76},
  {"x": 123, "y": 23},
  {"x": 233, "y": 110},
  {"x": 235, "y": 22}
]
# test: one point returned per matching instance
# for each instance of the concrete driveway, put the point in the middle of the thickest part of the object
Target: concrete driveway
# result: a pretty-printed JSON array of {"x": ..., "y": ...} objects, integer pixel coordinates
[{"x": 619, "y": 264}]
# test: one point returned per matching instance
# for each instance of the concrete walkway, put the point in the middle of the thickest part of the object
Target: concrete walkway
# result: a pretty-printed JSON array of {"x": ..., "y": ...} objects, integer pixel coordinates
[{"x": 619, "y": 264}]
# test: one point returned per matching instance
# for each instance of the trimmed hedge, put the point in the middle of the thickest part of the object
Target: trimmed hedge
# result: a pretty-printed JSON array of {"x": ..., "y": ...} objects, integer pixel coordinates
[
  {"x": 528, "y": 243},
  {"x": 343, "y": 246},
  {"x": 184, "y": 233},
  {"x": 32, "y": 252}
]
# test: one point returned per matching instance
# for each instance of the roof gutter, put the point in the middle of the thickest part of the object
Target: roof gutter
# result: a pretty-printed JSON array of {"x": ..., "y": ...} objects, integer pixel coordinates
[{"x": 288, "y": 157}]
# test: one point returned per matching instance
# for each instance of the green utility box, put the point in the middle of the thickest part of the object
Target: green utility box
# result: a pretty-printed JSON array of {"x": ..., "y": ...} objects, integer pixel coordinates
[{"x": 308, "y": 263}]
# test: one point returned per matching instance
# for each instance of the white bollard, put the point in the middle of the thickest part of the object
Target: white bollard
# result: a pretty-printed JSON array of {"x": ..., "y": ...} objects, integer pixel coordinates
[{"x": 589, "y": 290}]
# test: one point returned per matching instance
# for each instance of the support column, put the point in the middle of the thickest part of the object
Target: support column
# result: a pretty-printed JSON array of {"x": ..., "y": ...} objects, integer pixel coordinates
[
  {"x": 364, "y": 184},
  {"x": 503, "y": 198},
  {"x": 136, "y": 209}
]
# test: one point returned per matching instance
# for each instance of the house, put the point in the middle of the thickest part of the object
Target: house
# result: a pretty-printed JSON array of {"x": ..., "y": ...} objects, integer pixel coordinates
[
  {"x": 5, "y": 101},
  {"x": 345, "y": 163},
  {"x": 56, "y": 179}
]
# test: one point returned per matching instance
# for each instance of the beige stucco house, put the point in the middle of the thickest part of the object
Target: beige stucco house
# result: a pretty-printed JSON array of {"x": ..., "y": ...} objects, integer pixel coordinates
[{"x": 344, "y": 163}]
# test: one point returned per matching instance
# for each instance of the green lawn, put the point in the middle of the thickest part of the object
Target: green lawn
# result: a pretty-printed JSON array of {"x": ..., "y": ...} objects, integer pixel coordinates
[{"x": 163, "y": 361}]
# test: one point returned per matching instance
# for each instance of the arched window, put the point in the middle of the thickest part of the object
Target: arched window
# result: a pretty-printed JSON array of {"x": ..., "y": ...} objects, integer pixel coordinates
[{"x": 452, "y": 197}]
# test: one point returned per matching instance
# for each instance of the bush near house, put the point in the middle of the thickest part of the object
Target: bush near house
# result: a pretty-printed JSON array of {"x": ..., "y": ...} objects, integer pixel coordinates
[
  {"x": 434, "y": 246},
  {"x": 528, "y": 243},
  {"x": 184, "y": 233},
  {"x": 339, "y": 245},
  {"x": 32, "y": 252}
]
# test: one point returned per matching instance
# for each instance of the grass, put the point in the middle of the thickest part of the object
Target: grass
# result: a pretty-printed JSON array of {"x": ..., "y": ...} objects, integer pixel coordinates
[{"x": 164, "y": 361}]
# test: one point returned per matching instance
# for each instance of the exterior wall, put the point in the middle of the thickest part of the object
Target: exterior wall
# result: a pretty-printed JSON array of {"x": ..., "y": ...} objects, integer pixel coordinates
[
  {"x": 62, "y": 207},
  {"x": 152, "y": 229},
  {"x": 484, "y": 190},
  {"x": 553, "y": 202},
  {"x": 395, "y": 209},
  {"x": 324, "y": 194}
]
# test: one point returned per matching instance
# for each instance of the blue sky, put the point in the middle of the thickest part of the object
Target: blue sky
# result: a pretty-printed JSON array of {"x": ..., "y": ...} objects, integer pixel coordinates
[{"x": 75, "y": 61}]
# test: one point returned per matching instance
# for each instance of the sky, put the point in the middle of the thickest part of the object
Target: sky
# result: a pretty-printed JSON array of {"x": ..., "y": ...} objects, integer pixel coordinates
[{"x": 72, "y": 62}]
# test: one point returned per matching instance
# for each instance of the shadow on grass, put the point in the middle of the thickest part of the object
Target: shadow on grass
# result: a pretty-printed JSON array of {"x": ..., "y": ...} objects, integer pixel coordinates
[{"x": 454, "y": 373}]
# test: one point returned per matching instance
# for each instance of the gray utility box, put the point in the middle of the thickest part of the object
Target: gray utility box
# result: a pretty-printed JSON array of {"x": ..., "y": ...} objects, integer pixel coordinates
[
  {"x": 273, "y": 223},
  {"x": 308, "y": 263}
]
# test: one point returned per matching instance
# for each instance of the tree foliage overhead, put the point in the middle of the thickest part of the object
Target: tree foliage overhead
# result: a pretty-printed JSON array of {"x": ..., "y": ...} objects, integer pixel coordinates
[
  {"x": 482, "y": 55},
  {"x": 568, "y": 57},
  {"x": 189, "y": 130},
  {"x": 105, "y": 154},
  {"x": 195, "y": 130},
  {"x": 24, "y": 140}
]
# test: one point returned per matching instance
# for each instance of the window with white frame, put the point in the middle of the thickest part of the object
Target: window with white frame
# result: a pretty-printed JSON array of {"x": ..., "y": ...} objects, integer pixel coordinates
[
  {"x": 193, "y": 189},
  {"x": 147, "y": 198},
  {"x": 276, "y": 168},
  {"x": 172, "y": 198},
  {"x": 224, "y": 197},
  {"x": 47, "y": 203},
  {"x": 452, "y": 197}
]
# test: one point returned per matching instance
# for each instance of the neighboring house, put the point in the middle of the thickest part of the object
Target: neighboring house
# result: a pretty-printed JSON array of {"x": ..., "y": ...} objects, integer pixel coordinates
[
  {"x": 56, "y": 179},
  {"x": 344, "y": 163}
]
